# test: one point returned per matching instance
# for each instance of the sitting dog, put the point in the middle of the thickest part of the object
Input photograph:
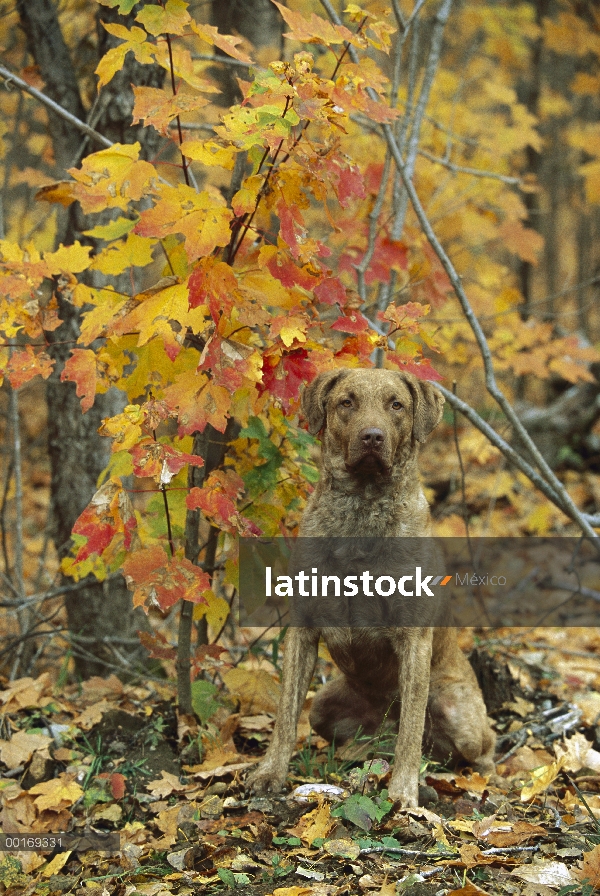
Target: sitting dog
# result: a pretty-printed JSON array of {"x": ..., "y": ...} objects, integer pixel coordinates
[{"x": 372, "y": 423}]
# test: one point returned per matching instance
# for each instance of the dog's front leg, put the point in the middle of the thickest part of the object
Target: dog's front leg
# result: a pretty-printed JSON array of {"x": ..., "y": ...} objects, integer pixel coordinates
[
  {"x": 299, "y": 660},
  {"x": 413, "y": 649}
]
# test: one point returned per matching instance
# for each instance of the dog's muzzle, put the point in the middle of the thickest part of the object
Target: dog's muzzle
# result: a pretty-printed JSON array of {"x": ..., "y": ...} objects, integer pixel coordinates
[{"x": 368, "y": 457}]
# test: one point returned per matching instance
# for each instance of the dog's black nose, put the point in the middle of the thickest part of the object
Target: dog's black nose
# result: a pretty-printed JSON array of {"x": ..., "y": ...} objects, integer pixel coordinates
[{"x": 371, "y": 437}]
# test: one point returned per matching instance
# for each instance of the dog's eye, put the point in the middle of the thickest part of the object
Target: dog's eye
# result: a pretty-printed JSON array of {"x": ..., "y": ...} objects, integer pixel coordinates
[
  {"x": 346, "y": 402},
  {"x": 397, "y": 405}
]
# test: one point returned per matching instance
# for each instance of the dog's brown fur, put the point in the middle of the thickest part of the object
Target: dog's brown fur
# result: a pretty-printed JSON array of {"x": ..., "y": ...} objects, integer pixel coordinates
[{"x": 372, "y": 422}]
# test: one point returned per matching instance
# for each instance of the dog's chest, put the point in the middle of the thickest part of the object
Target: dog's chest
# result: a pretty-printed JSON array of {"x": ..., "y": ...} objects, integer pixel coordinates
[
  {"x": 365, "y": 656},
  {"x": 362, "y": 514}
]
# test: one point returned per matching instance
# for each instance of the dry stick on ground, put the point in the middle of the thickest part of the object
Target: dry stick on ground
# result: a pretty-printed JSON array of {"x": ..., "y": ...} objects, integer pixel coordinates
[{"x": 565, "y": 502}]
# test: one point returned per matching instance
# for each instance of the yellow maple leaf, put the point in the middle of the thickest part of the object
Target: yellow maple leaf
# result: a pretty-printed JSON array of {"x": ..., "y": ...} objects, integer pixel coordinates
[
  {"x": 74, "y": 259},
  {"x": 112, "y": 61},
  {"x": 110, "y": 178},
  {"x": 209, "y": 153},
  {"x": 57, "y": 792},
  {"x": 135, "y": 251},
  {"x": 542, "y": 778},
  {"x": 170, "y": 19},
  {"x": 216, "y": 609}
]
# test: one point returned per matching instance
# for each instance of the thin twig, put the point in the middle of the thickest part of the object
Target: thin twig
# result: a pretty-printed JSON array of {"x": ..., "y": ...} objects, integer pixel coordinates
[
  {"x": 184, "y": 161},
  {"x": 433, "y": 61},
  {"x": 11, "y": 78},
  {"x": 550, "y": 585},
  {"x": 462, "y": 474},
  {"x": 476, "y": 172},
  {"x": 226, "y": 60}
]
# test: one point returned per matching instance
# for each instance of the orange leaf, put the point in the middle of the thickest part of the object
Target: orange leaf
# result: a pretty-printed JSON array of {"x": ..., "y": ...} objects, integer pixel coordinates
[
  {"x": 157, "y": 579},
  {"x": 158, "y": 108},
  {"x": 589, "y": 869},
  {"x": 224, "y": 42},
  {"x": 523, "y": 241},
  {"x": 24, "y": 366},
  {"x": 80, "y": 368},
  {"x": 203, "y": 218},
  {"x": 199, "y": 402},
  {"x": 315, "y": 30}
]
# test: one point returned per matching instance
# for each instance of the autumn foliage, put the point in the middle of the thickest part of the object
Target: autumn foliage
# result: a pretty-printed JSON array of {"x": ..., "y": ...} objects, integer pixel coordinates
[{"x": 313, "y": 259}]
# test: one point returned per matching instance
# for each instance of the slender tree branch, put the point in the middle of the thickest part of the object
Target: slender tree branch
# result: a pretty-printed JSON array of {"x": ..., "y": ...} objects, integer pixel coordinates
[
  {"x": 373, "y": 230},
  {"x": 226, "y": 60},
  {"x": 11, "y": 78},
  {"x": 433, "y": 61},
  {"x": 475, "y": 172}
]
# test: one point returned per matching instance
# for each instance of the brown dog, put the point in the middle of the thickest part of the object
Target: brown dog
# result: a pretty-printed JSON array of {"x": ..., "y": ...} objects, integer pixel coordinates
[{"x": 372, "y": 422}]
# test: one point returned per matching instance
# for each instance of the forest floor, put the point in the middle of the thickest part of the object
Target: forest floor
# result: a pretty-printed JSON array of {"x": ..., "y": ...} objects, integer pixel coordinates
[{"x": 107, "y": 757}]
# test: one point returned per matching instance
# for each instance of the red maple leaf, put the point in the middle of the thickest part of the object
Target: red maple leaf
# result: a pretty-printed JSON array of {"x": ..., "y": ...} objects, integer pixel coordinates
[{"x": 283, "y": 375}]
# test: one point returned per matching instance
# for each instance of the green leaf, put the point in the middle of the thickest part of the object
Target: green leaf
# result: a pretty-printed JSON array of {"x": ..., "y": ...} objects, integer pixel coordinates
[
  {"x": 124, "y": 6},
  {"x": 112, "y": 231},
  {"x": 227, "y": 876},
  {"x": 360, "y": 810},
  {"x": 203, "y": 702}
]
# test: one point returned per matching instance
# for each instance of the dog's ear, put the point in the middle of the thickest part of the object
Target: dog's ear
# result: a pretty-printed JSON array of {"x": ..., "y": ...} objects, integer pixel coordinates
[
  {"x": 428, "y": 406},
  {"x": 314, "y": 398}
]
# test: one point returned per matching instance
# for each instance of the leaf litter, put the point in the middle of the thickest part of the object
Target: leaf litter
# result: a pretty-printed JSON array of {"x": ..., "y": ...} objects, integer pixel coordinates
[{"x": 114, "y": 757}]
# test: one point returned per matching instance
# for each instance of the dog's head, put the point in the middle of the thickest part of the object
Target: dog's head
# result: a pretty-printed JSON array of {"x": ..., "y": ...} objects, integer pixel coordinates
[{"x": 370, "y": 416}]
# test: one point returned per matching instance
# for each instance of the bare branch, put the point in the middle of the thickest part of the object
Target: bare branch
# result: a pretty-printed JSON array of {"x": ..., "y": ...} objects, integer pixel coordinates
[
  {"x": 433, "y": 61},
  {"x": 11, "y": 78},
  {"x": 373, "y": 229},
  {"x": 476, "y": 172},
  {"x": 227, "y": 60}
]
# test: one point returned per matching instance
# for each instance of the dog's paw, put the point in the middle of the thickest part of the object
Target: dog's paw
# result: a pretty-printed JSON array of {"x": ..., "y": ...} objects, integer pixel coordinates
[
  {"x": 265, "y": 779},
  {"x": 407, "y": 795}
]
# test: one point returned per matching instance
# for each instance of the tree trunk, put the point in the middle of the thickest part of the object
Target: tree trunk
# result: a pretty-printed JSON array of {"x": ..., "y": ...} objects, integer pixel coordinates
[
  {"x": 101, "y": 619},
  {"x": 259, "y": 22}
]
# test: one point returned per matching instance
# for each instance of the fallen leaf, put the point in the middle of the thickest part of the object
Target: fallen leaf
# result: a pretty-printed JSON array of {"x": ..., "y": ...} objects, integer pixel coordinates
[
  {"x": 542, "y": 778},
  {"x": 293, "y": 891},
  {"x": 521, "y": 832},
  {"x": 469, "y": 889},
  {"x": 345, "y": 848},
  {"x": 57, "y": 792},
  {"x": 315, "y": 825},
  {"x": 112, "y": 813},
  {"x": 256, "y": 689},
  {"x": 589, "y": 869},
  {"x": 475, "y": 783},
  {"x": 166, "y": 785},
  {"x": 577, "y": 753},
  {"x": 21, "y": 747},
  {"x": 58, "y": 862},
  {"x": 548, "y": 873},
  {"x": 24, "y": 693},
  {"x": 91, "y": 715}
]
